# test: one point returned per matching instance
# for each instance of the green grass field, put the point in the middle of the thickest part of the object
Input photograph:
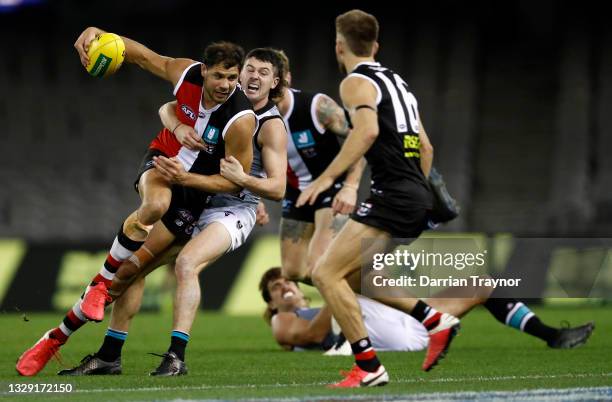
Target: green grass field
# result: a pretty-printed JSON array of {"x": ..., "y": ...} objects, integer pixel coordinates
[{"x": 235, "y": 357}]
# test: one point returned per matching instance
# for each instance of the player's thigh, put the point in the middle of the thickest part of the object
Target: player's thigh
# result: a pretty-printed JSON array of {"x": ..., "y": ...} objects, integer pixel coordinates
[
  {"x": 204, "y": 248},
  {"x": 295, "y": 239},
  {"x": 344, "y": 255},
  {"x": 327, "y": 226}
]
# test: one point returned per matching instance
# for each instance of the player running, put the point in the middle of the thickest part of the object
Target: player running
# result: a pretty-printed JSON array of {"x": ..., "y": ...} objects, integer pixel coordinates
[
  {"x": 314, "y": 120},
  {"x": 388, "y": 132}
]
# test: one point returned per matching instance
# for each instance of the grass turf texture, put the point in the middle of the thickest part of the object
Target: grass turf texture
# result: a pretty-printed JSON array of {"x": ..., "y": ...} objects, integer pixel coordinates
[{"x": 235, "y": 357}]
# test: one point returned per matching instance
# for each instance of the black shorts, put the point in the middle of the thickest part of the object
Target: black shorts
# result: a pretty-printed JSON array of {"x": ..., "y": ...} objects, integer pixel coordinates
[
  {"x": 391, "y": 214},
  {"x": 306, "y": 213},
  {"x": 147, "y": 163},
  {"x": 186, "y": 204},
  {"x": 185, "y": 209}
]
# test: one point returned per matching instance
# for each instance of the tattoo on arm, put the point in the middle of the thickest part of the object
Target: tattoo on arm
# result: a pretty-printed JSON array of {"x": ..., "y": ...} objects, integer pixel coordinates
[
  {"x": 295, "y": 230},
  {"x": 332, "y": 117}
]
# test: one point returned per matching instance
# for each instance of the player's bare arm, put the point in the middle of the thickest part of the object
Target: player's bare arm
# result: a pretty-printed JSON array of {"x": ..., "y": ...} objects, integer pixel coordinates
[
  {"x": 355, "y": 93},
  {"x": 426, "y": 150},
  {"x": 184, "y": 133},
  {"x": 238, "y": 143},
  {"x": 291, "y": 330},
  {"x": 273, "y": 141},
  {"x": 331, "y": 116},
  {"x": 167, "y": 68}
]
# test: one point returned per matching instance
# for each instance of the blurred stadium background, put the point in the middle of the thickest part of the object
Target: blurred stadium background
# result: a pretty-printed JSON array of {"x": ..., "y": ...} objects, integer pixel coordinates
[{"x": 516, "y": 97}]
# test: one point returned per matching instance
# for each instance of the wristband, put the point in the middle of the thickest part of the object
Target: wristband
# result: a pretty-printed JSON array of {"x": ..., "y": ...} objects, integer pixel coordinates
[{"x": 177, "y": 126}]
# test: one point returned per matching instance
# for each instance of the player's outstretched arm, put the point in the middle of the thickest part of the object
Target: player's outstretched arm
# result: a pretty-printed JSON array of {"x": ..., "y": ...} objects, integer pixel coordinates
[
  {"x": 291, "y": 330},
  {"x": 273, "y": 136},
  {"x": 168, "y": 68}
]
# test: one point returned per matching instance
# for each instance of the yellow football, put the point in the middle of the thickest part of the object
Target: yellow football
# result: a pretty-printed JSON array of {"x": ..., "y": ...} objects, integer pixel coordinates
[{"x": 106, "y": 53}]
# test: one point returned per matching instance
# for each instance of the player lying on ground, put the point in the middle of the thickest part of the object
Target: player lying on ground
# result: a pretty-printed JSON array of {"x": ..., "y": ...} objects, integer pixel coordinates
[
  {"x": 297, "y": 326},
  {"x": 270, "y": 156}
]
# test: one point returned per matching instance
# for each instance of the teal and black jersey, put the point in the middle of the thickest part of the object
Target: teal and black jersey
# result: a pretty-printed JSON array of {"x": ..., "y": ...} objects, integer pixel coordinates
[{"x": 310, "y": 146}]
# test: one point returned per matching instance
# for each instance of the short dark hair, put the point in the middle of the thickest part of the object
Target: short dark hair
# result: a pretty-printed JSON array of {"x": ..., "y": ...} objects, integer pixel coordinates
[
  {"x": 360, "y": 30},
  {"x": 272, "y": 56},
  {"x": 227, "y": 54},
  {"x": 270, "y": 275}
]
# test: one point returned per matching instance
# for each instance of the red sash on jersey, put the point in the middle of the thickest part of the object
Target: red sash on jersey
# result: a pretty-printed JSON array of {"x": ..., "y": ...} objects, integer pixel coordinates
[{"x": 188, "y": 93}]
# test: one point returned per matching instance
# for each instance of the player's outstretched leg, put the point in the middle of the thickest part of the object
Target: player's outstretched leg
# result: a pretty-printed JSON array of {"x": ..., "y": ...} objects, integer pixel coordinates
[
  {"x": 33, "y": 360},
  {"x": 516, "y": 314},
  {"x": 442, "y": 328},
  {"x": 124, "y": 246},
  {"x": 156, "y": 196}
]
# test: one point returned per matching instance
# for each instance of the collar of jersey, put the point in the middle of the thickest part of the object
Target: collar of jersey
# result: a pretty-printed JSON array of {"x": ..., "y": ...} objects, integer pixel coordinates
[{"x": 366, "y": 63}]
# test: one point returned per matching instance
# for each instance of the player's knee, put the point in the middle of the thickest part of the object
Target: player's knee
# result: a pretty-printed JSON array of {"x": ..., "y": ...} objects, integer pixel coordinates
[
  {"x": 292, "y": 272},
  {"x": 319, "y": 277},
  {"x": 185, "y": 268},
  {"x": 152, "y": 210}
]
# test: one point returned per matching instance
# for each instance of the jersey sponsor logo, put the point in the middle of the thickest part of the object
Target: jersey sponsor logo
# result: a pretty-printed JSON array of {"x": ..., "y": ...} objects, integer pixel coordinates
[
  {"x": 303, "y": 139},
  {"x": 188, "y": 112},
  {"x": 211, "y": 138},
  {"x": 239, "y": 225},
  {"x": 412, "y": 146}
]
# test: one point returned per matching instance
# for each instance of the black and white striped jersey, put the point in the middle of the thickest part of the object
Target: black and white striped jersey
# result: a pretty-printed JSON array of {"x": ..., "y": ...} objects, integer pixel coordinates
[
  {"x": 310, "y": 147},
  {"x": 394, "y": 158}
]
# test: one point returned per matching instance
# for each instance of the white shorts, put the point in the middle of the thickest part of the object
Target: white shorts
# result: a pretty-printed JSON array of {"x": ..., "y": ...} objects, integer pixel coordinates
[
  {"x": 238, "y": 220},
  {"x": 390, "y": 329}
]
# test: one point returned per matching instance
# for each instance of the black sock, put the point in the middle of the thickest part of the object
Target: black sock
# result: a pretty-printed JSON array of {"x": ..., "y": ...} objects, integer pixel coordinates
[
  {"x": 178, "y": 343},
  {"x": 536, "y": 328},
  {"x": 425, "y": 314},
  {"x": 514, "y": 313},
  {"x": 111, "y": 348},
  {"x": 365, "y": 356}
]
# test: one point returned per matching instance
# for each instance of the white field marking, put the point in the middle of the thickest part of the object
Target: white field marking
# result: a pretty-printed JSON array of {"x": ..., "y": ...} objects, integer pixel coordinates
[
  {"x": 312, "y": 384},
  {"x": 532, "y": 395}
]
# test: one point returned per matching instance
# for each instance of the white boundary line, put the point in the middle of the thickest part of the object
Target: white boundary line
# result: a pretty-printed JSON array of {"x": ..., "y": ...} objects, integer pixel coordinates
[{"x": 312, "y": 384}]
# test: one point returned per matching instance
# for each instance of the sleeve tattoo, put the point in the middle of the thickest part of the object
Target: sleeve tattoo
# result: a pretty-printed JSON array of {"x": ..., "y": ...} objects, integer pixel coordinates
[{"x": 332, "y": 117}]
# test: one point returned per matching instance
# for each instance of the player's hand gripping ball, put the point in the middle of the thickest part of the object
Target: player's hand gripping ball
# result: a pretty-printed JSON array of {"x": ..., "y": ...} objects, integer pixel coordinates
[{"x": 106, "y": 53}]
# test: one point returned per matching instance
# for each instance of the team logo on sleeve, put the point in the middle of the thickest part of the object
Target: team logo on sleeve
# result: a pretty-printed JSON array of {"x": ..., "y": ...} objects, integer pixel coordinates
[
  {"x": 211, "y": 138},
  {"x": 188, "y": 112}
]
